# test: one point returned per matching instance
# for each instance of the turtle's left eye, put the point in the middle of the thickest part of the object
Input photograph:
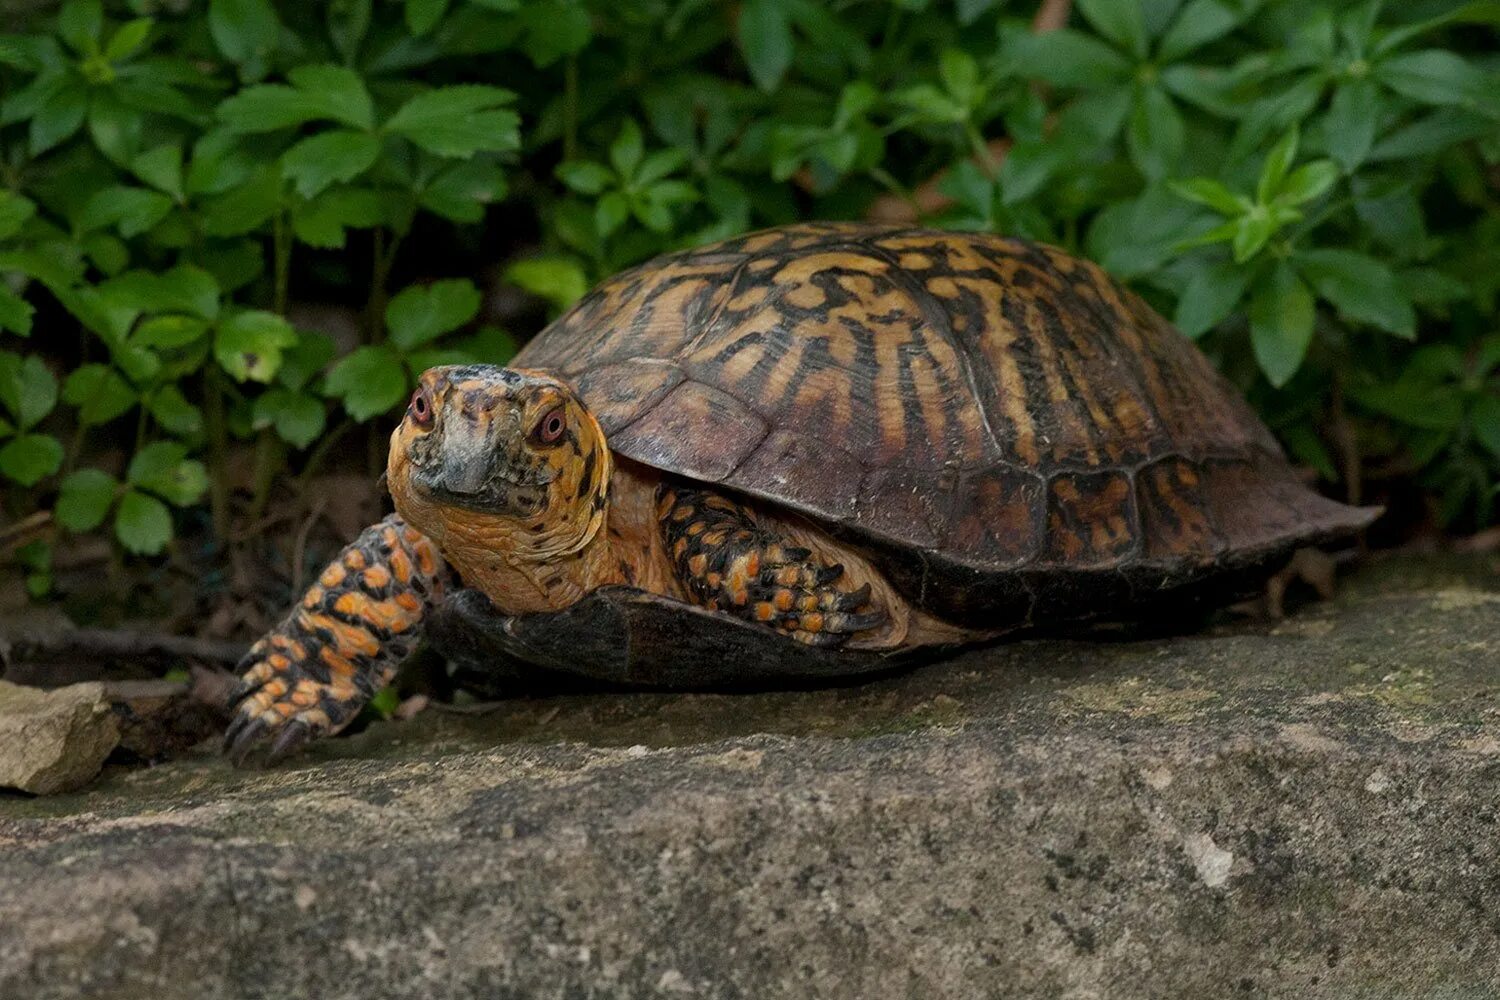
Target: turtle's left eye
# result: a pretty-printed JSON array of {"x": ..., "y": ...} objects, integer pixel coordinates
[{"x": 549, "y": 429}]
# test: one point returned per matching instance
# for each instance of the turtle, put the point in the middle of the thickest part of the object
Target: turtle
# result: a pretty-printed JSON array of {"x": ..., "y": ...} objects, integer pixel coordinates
[{"x": 813, "y": 451}]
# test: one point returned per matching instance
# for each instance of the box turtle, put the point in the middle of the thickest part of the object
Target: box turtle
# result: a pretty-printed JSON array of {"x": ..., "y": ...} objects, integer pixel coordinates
[{"x": 810, "y": 451}]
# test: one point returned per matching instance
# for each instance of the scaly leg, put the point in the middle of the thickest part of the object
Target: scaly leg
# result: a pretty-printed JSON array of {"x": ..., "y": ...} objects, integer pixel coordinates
[
  {"x": 728, "y": 562},
  {"x": 310, "y": 675}
]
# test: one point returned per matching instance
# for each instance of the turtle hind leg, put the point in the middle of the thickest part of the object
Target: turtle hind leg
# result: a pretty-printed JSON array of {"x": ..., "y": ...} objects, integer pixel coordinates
[{"x": 727, "y": 562}]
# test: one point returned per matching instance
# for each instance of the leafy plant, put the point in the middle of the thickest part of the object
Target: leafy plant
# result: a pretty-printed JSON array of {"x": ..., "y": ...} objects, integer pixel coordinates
[{"x": 1308, "y": 187}]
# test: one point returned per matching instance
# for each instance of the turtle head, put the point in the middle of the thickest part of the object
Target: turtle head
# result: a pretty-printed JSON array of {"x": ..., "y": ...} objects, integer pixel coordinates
[{"x": 508, "y": 458}]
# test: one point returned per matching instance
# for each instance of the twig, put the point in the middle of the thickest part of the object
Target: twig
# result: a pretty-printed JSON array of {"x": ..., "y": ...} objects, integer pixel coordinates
[
  {"x": 299, "y": 548},
  {"x": 119, "y": 643},
  {"x": 13, "y": 535},
  {"x": 1052, "y": 15}
]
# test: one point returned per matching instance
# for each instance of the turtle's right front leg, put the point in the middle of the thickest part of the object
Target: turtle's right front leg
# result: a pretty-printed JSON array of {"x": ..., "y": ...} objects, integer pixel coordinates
[{"x": 310, "y": 675}]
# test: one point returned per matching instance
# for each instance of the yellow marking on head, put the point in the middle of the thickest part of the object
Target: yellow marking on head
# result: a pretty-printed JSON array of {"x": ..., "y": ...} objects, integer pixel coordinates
[{"x": 376, "y": 577}]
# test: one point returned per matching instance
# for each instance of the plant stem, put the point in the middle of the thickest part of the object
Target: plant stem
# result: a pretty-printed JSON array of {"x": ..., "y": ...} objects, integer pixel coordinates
[
  {"x": 318, "y": 454},
  {"x": 281, "y": 251},
  {"x": 570, "y": 107},
  {"x": 218, "y": 452},
  {"x": 895, "y": 187}
]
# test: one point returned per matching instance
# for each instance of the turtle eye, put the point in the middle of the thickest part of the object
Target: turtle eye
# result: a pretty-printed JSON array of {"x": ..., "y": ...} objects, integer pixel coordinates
[
  {"x": 421, "y": 408},
  {"x": 549, "y": 429}
]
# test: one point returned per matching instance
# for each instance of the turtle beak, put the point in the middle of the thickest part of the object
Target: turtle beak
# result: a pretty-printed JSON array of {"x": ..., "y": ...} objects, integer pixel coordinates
[{"x": 464, "y": 465}]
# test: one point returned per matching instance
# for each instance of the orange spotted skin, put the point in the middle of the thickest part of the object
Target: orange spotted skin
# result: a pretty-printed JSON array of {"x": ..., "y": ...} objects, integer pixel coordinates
[
  {"x": 728, "y": 562},
  {"x": 343, "y": 640}
]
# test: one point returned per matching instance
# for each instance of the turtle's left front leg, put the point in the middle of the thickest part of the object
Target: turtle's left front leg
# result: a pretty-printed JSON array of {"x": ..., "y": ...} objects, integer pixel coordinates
[
  {"x": 310, "y": 675},
  {"x": 727, "y": 561}
]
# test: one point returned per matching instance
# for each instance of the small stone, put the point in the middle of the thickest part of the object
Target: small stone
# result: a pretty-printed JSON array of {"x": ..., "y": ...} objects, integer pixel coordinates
[
  {"x": 1378, "y": 782},
  {"x": 54, "y": 741},
  {"x": 1211, "y": 860}
]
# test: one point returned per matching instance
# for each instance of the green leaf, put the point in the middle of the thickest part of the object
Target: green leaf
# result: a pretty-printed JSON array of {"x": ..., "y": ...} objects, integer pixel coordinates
[
  {"x": 297, "y": 417},
  {"x": 1251, "y": 232},
  {"x": 1361, "y": 288},
  {"x": 554, "y": 29},
  {"x": 1066, "y": 58},
  {"x": 765, "y": 36},
  {"x": 1210, "y": 297},
  {"x": 245, "y": 208},
  {"x": 164, "y": 469},
  {"x": 248, "y": 345},
  {"x": 585, "y": 177},
  {"x": 460, "y": 121},
  {"x": 162, "y": 169},
  {"x": 626, "y": 151},
  {"x": 143, "y": 524},
  {"x": 131, "y": 210},
  {"x": 14, "y": 213},
  {"x": 1281, "y": 323},
  {"x": 84, "y": 498},
  {"x": 80, "y": 23},
  {"x": 166, "y": 332},
  {"x": 304, "y": 360},
  {"x": 1416, "y": 404},
  {"x": 423, "y": 15},
  {"x": 60, "y": 115},
  {"x": 461, "y": 192},
  {"x": 1207, "y": 191},
  {"x": 329, "y": 158},
  {"x": 99, "y": 393},
  {"x": 173, "y": 412},
  {"x": 127, "y": 38},
  {"x": 1156, "y": 133},
  {"x": 1278, "y": 163},
  {"x": 418, "y": 314},
  {"x": 244, "y": 29},
  {"x": 317, "y": 93},
  {"x": 1349, "y": 129},
  {"x": 1200, "y": 22},
  {"x": 27, "y": 389},
  {"x": 322, "y": 221},
  {"x": 28, "y": 458},
  {"x": 15, "y": 312},
  {"x": 1119, "y": 21},
  {"x": 559, "y": 280},
  {"x": 1429, "y": 135},
  {"x": 1308, "y": 182},
  {"x": 185, "y": 288},
  {"x": 1436, "y": 76},
  {"x": 369, "y": 380},
  {"x": 1484, "y": 418},
  {"x": 613, "y": 209}
]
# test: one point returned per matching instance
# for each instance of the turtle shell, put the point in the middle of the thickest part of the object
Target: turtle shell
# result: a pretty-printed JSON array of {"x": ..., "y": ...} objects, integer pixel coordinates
[{"x": 1009, "y": 431}]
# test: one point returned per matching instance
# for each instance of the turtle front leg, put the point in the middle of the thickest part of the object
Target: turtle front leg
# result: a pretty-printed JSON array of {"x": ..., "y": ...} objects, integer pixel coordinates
[
  {"x": 727, "y": 561},
  {"x": 342, "y": 643}
]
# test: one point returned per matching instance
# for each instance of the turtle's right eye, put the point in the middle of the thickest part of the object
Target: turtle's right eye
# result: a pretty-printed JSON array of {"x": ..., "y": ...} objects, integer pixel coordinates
[{"x": 421, "y": 408}]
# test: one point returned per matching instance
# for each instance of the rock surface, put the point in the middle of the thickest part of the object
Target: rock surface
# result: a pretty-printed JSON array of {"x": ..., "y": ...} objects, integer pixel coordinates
[
  {"x": 53, "y": 741},
  {"x": 1304, "y": 808}
]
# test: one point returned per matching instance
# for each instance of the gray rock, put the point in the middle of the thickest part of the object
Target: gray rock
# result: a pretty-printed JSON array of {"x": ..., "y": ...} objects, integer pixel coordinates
[
  {"x": 53, "y": 741},
  {"x": 1304, "y": 808}
]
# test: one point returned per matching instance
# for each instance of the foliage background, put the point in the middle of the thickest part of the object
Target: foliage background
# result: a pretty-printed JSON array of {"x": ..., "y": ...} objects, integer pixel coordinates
[{"x": 231, "y": 231}]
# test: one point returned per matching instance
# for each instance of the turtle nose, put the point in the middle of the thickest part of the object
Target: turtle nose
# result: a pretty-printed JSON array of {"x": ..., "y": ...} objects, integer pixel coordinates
[{"x": 466, "y": 454}]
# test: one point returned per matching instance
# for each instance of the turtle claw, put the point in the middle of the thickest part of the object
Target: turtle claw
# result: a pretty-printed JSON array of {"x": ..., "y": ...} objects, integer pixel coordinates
[
  {"x": 241, "y": 739},
  {"x": 291, "y": 738}
]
